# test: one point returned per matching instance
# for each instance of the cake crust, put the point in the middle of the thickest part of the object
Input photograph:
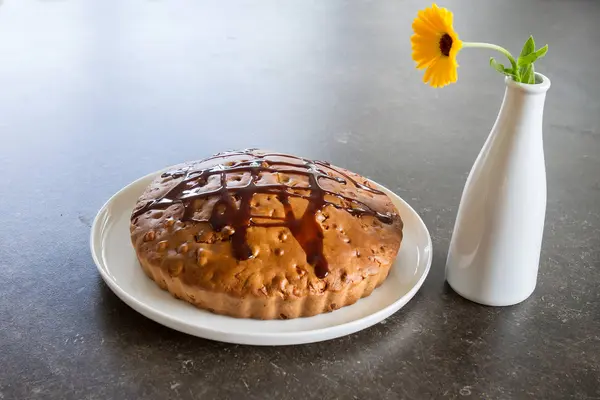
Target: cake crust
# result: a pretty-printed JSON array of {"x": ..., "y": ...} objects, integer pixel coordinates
[{"x": 254, "y": 234}]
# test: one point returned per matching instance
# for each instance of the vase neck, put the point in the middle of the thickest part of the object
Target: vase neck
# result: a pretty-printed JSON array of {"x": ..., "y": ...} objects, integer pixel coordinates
[{"x": 523, "y": 105}]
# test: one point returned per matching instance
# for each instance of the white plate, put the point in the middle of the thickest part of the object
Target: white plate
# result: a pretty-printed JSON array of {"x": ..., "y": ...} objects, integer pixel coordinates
[{"x": 115, "y": 258}]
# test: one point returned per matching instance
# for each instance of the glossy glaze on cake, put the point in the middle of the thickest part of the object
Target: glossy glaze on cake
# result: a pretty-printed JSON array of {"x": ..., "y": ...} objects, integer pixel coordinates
[{"x": 255, "y": 234}]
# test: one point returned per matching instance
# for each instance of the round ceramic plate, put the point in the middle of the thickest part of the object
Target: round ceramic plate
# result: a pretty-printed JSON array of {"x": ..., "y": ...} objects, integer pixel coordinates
[{"x": 116, "y": 260}]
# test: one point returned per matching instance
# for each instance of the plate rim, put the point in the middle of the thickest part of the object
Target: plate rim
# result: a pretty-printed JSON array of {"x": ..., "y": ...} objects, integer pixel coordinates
[{"x": 284, "y": 338}]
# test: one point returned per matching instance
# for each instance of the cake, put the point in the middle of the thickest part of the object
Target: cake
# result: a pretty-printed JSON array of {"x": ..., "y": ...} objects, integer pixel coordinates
[{"x": 256, "y": 234}]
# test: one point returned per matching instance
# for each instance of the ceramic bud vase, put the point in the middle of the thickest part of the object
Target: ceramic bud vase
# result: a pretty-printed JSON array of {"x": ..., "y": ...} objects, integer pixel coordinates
[{"x": 495, "y": 248}]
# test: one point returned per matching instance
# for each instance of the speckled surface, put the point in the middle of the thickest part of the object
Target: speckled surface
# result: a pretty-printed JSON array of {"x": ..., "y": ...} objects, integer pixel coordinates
[{"x": 95, "y": 94}]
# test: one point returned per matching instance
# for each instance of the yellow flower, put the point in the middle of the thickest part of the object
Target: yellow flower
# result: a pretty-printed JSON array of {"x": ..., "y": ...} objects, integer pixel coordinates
[{"x": 435, "y": 46}]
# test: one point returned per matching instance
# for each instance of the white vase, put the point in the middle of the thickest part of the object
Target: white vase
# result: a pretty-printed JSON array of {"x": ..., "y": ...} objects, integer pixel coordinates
[{"x": 495, "y": 248}]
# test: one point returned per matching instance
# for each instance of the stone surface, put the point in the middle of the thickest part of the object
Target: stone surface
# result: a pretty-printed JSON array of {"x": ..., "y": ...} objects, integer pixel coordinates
[{"x": 94, "y": 94}]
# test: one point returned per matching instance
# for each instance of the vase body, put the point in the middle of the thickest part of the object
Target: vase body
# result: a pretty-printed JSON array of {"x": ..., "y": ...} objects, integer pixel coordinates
[{"x": 495, "y": 248}]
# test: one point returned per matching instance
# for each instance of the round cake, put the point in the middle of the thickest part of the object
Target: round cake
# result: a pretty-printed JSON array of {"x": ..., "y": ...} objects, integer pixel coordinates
[{"x": 256, "y": 234}]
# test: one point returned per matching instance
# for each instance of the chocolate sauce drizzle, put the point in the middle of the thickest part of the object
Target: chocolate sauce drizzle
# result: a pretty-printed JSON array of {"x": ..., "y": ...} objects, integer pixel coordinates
[{"x": 306, "y": 229}]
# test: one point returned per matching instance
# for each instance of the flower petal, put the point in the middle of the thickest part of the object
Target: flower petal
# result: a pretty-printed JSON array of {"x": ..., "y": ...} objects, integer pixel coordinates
[{"x": 429, "y": 27}]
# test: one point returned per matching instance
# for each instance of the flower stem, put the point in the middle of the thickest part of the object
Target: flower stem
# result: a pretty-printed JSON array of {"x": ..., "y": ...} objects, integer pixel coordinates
[{"x": 497, "y": 48}]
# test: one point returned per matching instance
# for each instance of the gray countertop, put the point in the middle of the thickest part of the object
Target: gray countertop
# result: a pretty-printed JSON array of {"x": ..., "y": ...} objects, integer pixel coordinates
[{"x": 94, "y": 94}]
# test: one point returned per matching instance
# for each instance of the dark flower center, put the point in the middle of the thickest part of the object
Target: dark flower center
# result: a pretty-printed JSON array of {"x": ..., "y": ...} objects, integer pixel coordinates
[{"x": 446, "y": 44}]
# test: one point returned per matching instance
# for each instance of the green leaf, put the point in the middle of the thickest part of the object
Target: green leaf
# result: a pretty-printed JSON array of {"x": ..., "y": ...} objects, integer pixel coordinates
[
  {"x": 528, "y": 48},
  {"x": 531, "y": 58},
  {"x": 501, "y": 68},
  {"x": 522, "y": 73},
  {"x": 542, "y": 52},
  {"x": 496, "y": 65},
  {"x": 527, "y": 74},
  {"x": 508, "y": 72}
]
